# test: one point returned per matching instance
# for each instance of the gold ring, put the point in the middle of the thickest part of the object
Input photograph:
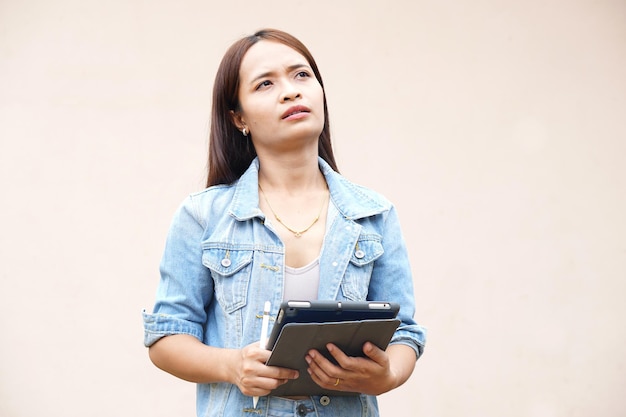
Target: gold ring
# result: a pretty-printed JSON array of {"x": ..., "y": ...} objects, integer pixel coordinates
[{"x": 337, "y": 382}]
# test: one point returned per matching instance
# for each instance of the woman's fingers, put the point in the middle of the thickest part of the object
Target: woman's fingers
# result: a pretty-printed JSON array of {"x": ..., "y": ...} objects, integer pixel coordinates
[
  {"x": 256, "y": 378},
  {"x": 354, "y": 374}
]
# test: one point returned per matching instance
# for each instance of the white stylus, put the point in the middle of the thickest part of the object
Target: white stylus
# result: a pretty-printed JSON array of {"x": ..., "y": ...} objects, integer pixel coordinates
[{"x": 263, "y": 341}]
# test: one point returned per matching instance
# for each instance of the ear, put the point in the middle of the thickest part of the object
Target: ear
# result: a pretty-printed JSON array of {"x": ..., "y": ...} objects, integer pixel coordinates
[{"x": 237, "y": 120}]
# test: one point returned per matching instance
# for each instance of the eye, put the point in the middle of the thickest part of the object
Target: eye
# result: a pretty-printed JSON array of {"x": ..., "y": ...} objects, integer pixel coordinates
[
  {"x": 263, "y": 84},
  {"x": 303, "y": 74}
]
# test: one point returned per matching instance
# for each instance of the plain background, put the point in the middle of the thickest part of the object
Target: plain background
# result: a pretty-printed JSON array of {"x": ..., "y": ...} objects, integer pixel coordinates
[{"x": 497, "y": 127}]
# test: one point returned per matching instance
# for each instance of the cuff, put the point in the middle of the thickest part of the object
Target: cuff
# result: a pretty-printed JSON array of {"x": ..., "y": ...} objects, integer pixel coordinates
[{"x": 157, "y": 326}]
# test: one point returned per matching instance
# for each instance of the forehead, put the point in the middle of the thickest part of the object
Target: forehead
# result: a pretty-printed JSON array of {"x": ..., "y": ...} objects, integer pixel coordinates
[{"x": 268, "y": 56}]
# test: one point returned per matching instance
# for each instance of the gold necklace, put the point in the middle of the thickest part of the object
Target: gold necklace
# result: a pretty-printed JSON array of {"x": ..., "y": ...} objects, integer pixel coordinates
[{"x": 297, "y": 233}]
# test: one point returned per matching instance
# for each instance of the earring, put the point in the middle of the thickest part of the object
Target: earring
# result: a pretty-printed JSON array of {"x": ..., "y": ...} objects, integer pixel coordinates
[{"x": 244, "y": 131}]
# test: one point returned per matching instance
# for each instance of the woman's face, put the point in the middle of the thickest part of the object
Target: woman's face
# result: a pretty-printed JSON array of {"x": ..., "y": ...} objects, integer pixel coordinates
[{"x": 281, "y": 101}]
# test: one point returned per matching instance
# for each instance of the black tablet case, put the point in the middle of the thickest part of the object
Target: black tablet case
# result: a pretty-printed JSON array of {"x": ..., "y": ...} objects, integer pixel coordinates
[
  {"x": 296, "y": 339},
  {"x": 325, "y": 311}
]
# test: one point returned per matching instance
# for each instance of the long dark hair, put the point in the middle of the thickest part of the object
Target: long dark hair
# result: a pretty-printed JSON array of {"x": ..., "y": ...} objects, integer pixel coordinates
[{"x": 230, "y": 153}]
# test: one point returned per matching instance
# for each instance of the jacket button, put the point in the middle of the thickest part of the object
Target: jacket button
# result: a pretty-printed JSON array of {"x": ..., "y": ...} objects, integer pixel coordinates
[
  {"x": 225, "y": 262},
  {"x": 359, "y": 254},
  {"x": 325, "y": 400}
]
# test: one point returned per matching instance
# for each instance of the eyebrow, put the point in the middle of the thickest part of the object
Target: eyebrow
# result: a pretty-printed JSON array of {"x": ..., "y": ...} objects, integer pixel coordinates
[{"x": 270, "y": 73}]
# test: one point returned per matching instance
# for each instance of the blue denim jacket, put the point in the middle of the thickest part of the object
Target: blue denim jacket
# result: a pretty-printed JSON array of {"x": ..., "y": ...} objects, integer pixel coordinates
[{"x": 222, "y": 262}]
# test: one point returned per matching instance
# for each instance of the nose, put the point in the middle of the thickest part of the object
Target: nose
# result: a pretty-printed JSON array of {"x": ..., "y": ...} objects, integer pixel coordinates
[
  {"x": 291, "y": 92},
  {"x": 291, "y": 96}
]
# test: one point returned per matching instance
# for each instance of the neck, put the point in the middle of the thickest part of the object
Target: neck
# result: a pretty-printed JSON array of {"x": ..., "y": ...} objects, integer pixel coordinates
[{"x": 290, "y": 174}]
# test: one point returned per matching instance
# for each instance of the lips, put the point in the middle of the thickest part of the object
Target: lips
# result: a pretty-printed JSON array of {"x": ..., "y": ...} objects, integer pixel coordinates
[{"x": 295, "y": 110}]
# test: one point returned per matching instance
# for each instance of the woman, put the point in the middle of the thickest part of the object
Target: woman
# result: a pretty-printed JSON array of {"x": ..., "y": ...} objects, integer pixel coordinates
[{"x": 276, "y": 222}]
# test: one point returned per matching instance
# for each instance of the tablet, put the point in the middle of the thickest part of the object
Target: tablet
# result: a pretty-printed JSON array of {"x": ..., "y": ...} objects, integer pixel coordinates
[
  {"x": 294, "y": 311},
  {"x": 296, "y": 339}
]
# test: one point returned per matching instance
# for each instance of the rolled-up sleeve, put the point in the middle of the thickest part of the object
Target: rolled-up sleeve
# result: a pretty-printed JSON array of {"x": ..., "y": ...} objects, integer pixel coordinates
[
  {"x": 157, "y": 326},
  {"x": 392, "y": 280},
  {"x": 185, "y": 287}
]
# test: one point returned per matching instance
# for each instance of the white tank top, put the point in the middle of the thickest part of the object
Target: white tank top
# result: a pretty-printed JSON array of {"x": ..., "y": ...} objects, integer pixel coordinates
[{"x": 302, "y": 283}]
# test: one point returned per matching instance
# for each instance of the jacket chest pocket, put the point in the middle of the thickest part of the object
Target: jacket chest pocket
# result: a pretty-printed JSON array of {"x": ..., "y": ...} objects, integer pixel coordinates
[
  {"x": 356, "y": 280},
  {"x": 231, "y": 270}
]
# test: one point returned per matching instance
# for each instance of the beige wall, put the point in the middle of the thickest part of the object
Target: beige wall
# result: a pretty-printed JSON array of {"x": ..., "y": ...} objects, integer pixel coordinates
[{"x": 497, "y": 127}]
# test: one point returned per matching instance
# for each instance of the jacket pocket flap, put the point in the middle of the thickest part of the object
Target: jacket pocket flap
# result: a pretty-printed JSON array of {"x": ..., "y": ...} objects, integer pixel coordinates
[
  {"x": 226, "y": 262},
  {"x": 366, "y": 251}
]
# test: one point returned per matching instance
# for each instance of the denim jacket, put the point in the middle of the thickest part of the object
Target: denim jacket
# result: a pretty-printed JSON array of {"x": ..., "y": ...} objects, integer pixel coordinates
[{"x": 222, "y": 262}]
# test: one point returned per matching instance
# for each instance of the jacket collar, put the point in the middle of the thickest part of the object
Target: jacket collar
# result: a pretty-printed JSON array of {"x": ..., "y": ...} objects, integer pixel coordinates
[{"x": 351, "y": 200}]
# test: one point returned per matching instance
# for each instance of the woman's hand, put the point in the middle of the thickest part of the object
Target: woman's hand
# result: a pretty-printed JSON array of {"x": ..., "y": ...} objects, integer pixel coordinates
[
  {"x": 188, "y": 358},
  {"x": 252, "y": 376},
  {"x": 374, "y": 374}
]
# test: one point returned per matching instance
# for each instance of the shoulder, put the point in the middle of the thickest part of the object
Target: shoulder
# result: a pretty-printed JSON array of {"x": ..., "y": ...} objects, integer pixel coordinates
[
  {"x": 210, "y": 194},
  {"x": 366, "y": 192},
  {"x": 238, "y": 200},
  {"x": 354, "y": 200},
  {"x": 208, "y": 203}
]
